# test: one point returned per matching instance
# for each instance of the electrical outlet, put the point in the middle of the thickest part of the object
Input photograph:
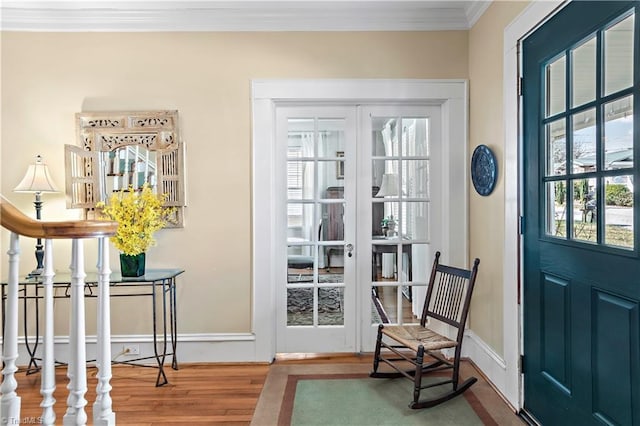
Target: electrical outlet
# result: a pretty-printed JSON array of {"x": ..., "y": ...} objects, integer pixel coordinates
[{"x": 131, "y": 349}]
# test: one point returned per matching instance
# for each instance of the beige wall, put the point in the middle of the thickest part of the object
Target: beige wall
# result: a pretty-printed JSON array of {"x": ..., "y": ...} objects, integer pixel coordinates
[
  {"x": 47, "y": 77},
  {"x": 487, "y": 127}
]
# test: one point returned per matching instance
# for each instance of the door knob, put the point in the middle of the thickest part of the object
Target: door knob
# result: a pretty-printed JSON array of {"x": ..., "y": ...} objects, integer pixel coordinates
[{"x": 349, "y": 248}]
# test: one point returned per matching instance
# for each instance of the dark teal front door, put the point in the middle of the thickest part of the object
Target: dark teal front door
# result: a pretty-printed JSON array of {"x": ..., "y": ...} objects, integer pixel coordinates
[{"x": 581, "y": 289}]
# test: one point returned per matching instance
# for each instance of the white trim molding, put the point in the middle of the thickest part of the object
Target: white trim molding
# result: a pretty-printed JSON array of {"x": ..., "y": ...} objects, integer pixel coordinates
[
  {"x": 509, "y": 381},
  {"x": 240, "y": 15},
  {"x": 206, "y": 347},
  {"x": 475, "y": 10},
  {"x": 268, "y": 94},
  {"x": 486, "y": 359}
]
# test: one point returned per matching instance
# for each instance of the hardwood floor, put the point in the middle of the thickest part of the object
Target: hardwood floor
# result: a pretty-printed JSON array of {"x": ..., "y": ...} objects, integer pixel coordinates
[
  {"x": 196, "y": 394},
  {"x": 205, "y": 394},
  {"x": 388, "y": 299}
]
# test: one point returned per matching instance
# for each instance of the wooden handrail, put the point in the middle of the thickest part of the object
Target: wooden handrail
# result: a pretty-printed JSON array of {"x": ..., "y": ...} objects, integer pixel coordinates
[
  {"x": 77, "y": 231},
  {"x": 15, "y": 221}
]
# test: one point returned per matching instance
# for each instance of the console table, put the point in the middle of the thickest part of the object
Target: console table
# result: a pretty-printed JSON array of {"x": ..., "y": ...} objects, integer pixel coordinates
[
  {"x": 379, "y": 249},
  {"x": 155, "y": 283}
]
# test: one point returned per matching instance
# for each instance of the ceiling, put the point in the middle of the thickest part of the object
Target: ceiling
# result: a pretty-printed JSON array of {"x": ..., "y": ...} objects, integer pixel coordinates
[{"x": 239, "y": 15}]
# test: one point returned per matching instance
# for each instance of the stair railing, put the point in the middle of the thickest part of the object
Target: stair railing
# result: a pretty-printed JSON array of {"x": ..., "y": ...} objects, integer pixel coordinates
[{"x": 77, "y": 231}]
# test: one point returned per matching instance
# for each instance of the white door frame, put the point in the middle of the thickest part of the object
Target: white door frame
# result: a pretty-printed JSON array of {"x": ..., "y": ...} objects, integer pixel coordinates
[
  {"x": 506, "y": 375},
  {"x": 452, "y": 95}
]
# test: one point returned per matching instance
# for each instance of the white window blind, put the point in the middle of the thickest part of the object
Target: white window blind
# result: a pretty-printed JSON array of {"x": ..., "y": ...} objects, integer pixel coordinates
[{"x": 295, "y": 183}]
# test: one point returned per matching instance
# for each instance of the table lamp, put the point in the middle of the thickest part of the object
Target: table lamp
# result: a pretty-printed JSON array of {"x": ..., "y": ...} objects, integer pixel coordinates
[
  {"x": 37, "y": 180},
  {"x": 389, "y": 186}
]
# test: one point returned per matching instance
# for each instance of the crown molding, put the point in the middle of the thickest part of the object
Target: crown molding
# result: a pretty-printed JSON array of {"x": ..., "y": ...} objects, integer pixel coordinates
[
  {"x": 239, "y": 15},
  {"x": 475, "y": 10}
]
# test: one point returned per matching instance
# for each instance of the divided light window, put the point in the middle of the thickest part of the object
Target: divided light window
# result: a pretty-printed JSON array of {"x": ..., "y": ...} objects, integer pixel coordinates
[{"x": 588, "y": 174}]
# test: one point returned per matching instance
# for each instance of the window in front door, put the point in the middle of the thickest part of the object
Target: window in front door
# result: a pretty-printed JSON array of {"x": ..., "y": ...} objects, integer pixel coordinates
[{"x": 588, "y": 127}]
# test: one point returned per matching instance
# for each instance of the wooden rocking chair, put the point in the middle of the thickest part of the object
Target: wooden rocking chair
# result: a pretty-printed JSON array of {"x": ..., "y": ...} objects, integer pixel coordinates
[{"x": 448, "y": 299}]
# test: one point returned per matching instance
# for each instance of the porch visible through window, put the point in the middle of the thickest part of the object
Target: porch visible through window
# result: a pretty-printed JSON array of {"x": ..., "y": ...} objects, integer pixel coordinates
[{"x": 588, "y": 143}]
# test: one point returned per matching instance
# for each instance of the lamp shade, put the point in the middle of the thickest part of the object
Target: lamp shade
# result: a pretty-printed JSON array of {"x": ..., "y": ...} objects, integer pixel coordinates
[
  {"x": 389, "y": 186},
  {"x": 37, "y": 179}
]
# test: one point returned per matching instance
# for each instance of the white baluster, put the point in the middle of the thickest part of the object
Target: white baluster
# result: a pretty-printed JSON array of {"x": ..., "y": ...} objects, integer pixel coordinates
[
  {"x": 71, "y": 397},
  {"x": 77, "y": 372},
  {"x": 48, "y": 373},
  {"x": 102, "y": 407},
  {"x": 9, "y": 400}
]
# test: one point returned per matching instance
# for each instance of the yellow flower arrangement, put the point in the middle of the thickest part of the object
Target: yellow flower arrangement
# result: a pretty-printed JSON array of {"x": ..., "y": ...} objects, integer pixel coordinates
[{"x": 139, "y": 215}]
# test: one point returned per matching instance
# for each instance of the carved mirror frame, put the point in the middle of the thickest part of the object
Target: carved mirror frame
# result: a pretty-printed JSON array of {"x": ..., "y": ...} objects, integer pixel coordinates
[{"x": 118, "y": 150}]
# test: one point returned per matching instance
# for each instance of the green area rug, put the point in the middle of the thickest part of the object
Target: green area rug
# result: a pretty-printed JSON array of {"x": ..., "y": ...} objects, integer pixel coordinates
[
  {"x": 343, "y": 400},
  {"x": 343, "y": 394}
]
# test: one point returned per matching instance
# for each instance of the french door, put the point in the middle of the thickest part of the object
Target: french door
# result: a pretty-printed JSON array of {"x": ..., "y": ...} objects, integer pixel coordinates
[
  {"x": 316, "y": 280},
  {"x": 399, "y": 191},
  {"x": 354, "y": 221},
  {"x": 581, "y": 252}
]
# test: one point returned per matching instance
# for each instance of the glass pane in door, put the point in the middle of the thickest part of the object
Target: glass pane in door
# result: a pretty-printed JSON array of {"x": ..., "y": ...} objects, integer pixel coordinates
[
  {"x": 300, "y": 306},
  {"x": 584, "y": 73},
  {"x": 556, "y": 86},
  {"x": 584, "y": 141},
  {"x": 618, "y": 134},
  {"x": 385, "y": 304},
  {"x": 414, "y": 137},
  {"x": 556, "y": 201},
  {"x": 415, "y": 178},
  {"x": 331, "y": 138},
  {"x": 618, "y": 219},
  {"x": 585, "y": 225},
  {"x": 556, "y": 147},
  {"x": 414, "y": 218},
  {"x": 330, "y": 306},
  {"x": 315, "y": 222},
  {"x": 618, "y": 156},
  {"x": 618, "y": 56},
  {"x": 301, "y": 262},
  {"x": 400, "y": 213}
]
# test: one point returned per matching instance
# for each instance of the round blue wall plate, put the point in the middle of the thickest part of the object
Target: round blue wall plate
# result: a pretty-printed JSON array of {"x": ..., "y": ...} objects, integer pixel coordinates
[{"x": 484, "y": 170}]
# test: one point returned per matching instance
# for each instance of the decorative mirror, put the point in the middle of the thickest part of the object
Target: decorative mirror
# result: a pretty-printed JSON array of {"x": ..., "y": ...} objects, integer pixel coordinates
[{"x": 123, "y": 151}]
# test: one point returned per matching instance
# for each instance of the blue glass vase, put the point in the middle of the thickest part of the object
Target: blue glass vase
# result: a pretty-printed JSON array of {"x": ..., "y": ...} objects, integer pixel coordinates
[{"x": 132, "y": 266}]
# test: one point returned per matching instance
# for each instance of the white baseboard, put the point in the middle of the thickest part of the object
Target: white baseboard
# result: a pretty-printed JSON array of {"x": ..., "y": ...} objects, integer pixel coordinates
[
  {"x": 218, "y": 347},
  {"x": 487, "y": 360},
  {"x": 191, "y": 348}
]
